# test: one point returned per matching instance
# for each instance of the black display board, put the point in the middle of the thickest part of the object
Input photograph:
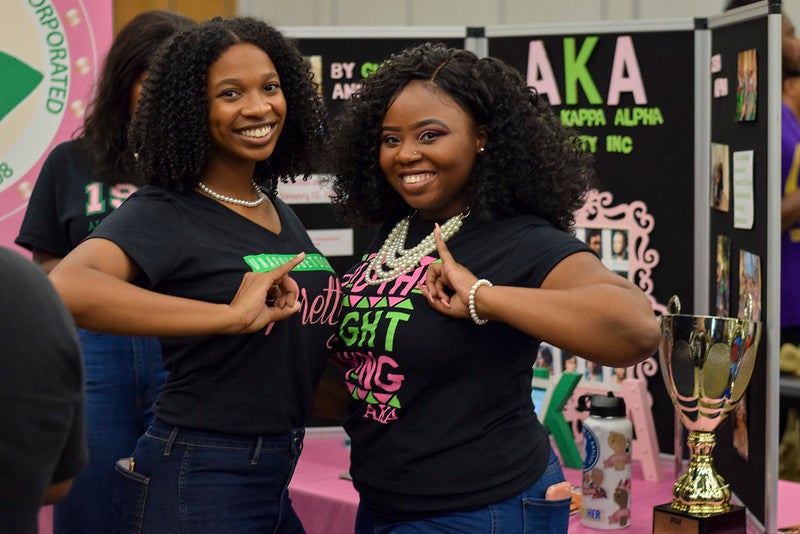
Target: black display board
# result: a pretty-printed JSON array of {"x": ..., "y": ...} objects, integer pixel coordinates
[
  {"x": 730, "y": 46},
  {"x": 631, "y": 92},
  {"x": 343, "y": 59}
]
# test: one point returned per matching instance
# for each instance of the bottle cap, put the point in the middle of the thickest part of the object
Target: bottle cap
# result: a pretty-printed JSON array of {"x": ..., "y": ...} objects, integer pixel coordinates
[{"x": 603, "y": 405}]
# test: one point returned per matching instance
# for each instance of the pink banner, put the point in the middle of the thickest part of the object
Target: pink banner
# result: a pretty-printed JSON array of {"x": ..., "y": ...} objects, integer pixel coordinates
[{"x": 50, "y": 55}]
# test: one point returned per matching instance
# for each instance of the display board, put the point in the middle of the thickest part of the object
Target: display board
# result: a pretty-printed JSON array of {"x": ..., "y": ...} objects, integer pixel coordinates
[
  {"x": 660, "y": 130},
  {"x": 341, "y": 58},
  {"x": 744, "y": 222},
  {"x": 628, "y": 89}
]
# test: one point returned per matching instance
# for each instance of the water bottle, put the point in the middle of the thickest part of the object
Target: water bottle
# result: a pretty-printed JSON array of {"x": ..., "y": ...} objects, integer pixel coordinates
[{"x": 606, "y": 488}]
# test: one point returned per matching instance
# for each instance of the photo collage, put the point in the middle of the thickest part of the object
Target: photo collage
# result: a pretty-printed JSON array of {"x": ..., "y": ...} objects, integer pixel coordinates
[
  {"x": 611, "y": 245},
  {"x": 559, "y": 361}
]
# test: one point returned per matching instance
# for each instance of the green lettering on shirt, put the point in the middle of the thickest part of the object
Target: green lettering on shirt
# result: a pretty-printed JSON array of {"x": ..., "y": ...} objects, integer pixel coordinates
[{"x": 261, "y": 263}]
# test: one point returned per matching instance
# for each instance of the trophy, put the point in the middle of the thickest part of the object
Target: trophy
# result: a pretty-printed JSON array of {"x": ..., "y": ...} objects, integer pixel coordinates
[{"x": 706, "y": 363}]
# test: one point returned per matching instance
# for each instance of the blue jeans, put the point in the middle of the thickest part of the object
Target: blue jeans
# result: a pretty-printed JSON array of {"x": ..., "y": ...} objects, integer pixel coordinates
[
  {"x": 526, "y": 513},
  {"x": 123, "y": 376},
  {"x": 189, "y": 481}
]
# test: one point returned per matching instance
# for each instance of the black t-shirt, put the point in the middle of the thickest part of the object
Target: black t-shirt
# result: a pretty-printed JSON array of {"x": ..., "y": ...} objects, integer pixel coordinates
[
  {"x": 67, "y": 203},
  {"x": 191, "y": 246},
  {"x": 441, "y": 417},
  {"x": 42, "y": 432}
]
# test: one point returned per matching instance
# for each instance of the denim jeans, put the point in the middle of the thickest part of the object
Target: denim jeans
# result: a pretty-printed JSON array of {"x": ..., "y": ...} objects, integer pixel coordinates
[
  {"x": 194, "y": 482},
  {"x": 123, "y": 376},
  {"x": 526, "y": 513}
]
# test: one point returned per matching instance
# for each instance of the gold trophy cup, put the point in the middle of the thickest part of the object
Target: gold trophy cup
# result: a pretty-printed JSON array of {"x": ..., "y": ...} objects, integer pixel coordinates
[{"x": 706, "y": 363}]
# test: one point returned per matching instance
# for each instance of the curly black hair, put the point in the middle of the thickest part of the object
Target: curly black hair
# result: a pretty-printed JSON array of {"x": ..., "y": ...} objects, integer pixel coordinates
[
  {"x": 104, "y": 134},
  {"x": 532, "y": 164},
  {"x": 170, "y": 131}
]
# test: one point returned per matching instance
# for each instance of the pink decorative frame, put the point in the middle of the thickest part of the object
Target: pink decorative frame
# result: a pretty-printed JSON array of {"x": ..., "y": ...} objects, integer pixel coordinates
[{"x": 600, "y": 212}]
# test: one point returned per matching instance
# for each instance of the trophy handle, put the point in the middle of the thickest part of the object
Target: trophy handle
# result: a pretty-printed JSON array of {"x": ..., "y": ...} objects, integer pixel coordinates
[{"x": 674, "y": 305}]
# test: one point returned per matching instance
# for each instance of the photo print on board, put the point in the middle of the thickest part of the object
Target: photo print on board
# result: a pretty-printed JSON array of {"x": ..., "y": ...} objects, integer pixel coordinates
[
  {"x": 720, "y": 177},
  {"x": 747, "y": 86},
  {"x": 749, "y": 284},
  {"x": 723, "y": 276}
]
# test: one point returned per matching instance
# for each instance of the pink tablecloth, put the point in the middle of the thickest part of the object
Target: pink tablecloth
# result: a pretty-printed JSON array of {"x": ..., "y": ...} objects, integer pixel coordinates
[{"x": 326, "y": 502}]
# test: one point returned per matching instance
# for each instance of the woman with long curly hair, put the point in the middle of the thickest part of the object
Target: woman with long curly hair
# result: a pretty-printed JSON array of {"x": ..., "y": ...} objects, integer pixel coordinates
[
  {"x": 473, "y": 182},
  {"x": 206, "y": 257},
  {"x": 81, "y": 182}
]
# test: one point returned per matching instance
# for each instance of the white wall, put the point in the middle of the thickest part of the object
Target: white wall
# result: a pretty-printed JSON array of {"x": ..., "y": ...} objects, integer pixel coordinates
[{"x": 285, "y": 13}]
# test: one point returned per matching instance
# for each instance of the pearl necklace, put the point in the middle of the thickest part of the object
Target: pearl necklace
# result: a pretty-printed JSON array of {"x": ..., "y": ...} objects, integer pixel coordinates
[
  {"x": 230, "y": 200},
  {"x": 393, "y": 260}
]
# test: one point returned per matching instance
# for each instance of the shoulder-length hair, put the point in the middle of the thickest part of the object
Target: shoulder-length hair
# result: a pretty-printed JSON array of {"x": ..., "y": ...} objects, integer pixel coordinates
[{"x": 170, "y": 132}]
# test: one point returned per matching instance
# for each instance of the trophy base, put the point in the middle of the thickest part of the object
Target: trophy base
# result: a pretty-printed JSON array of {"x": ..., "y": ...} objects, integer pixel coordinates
[{"x": 667, "y": 520}]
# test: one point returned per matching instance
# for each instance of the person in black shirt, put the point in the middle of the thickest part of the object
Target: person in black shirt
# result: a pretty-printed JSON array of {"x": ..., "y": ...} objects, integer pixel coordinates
[
  {"x": 43, "y": 441},
  {"x": 473, "y": 182},
  {"x": 81, "y": 182},
  {"x": 207, "y": 257}
]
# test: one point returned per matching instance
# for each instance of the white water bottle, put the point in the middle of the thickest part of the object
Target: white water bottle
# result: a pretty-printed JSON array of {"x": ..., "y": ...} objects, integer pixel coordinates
[{"x": 607, "y": 436}]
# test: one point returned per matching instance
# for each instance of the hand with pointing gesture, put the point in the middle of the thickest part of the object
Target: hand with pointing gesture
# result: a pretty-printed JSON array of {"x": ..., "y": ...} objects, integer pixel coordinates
[
  {"x": 263, "y": 298},
  {"x": 448, "y": 283}
]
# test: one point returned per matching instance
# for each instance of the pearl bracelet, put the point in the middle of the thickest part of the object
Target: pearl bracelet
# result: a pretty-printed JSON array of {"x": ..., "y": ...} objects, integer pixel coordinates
[{"x": 472, "y": 313}]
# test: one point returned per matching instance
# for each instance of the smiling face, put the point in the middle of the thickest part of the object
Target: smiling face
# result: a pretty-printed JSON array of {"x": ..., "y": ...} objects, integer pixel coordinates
[
  {"x": 428, "y": 148},
  {"x": 247, "y": 108}
]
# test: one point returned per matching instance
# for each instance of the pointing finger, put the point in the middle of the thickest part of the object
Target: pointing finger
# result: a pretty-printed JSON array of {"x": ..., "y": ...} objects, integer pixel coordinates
[
  {"x": 441, "y": 248},
  {"x": 289, "y": 265}
]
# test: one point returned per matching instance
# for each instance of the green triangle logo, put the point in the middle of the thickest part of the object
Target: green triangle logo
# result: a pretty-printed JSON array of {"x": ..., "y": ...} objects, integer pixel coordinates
[
  {"x": 405, "y": 304},
  {"x": 19, "y": 81}
]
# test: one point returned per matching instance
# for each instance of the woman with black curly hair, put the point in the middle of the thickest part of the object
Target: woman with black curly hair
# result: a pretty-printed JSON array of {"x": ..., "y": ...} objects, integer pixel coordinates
[
  {"x": 474, "y": 183},
  {"x": 202, "y": 257},
  {"x": 82, "y": 181}
]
